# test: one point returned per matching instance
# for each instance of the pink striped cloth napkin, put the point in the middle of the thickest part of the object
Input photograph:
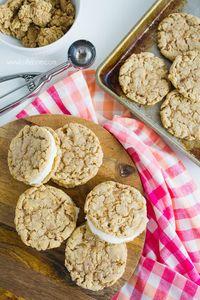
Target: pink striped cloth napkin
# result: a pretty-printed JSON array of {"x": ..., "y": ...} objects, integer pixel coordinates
[{"x": 170, "y": 264}]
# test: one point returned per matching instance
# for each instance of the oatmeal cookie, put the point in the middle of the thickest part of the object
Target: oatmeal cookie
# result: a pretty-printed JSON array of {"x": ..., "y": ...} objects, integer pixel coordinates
[
  {"x": 92, "y": 263},
  {"x": 6, "y": 16},
  {"x": 14, "y": 5},
  {"x": 30, "y": 40},
  {"x": 41, "y": 12},
  {"x": 34, "y": 155},
  {"x": 45, "y": 217},
  {"x": 49, "y": 35},
  {"x": 115, "y": 212},
  {"x": 25, "y": 15},
  {"x": 67, "y": 7},
  {"x": 61, "y": 20},
  {"x": 18, "y": 29},
  {"x": 185, "y": 74},
  {"x": 178, "y": 33},
  {"x": 143, "y": 78},
  {"x": 55, "y": 3},
  {"x": 181, "y": 117},
  {"x": 81, "y": 158}
]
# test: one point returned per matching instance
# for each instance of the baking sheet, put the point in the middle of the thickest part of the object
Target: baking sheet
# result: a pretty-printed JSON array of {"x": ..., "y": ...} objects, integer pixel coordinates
[{"x": 143, "y": 37}]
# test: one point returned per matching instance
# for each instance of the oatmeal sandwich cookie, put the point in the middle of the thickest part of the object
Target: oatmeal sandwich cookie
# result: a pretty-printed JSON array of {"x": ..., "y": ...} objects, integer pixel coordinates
[
  {"x": 34, "y": 155},
  {"x": 115, "y": 212},
  {"x": 93, "y": 263},
  {"x": 81, "y": 158},
  {"x": 181, "y": 117},
  {"x": 45, "y": 216},
  {"x": 178, "y": 33},
  {"x": 185, "y": 74},
  {"x": 143, "y": 78}
]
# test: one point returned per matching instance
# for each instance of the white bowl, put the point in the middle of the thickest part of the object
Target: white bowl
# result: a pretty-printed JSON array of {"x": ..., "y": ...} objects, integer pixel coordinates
[{"x": 17, "y": 46}]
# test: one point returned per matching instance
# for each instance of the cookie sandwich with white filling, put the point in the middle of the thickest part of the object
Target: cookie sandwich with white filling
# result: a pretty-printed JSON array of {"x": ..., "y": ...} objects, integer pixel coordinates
[
  {"x": 115, "y": 212},
  {"x": 34, "y": 155}
]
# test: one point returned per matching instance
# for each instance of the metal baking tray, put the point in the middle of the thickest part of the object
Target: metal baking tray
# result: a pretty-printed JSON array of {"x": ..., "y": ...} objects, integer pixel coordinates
[{"x": 143, "y": 37}]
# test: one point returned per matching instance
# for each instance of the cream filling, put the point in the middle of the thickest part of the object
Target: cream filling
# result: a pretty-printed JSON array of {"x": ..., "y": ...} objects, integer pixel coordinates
[
  {"x": 112, "y": 239},
  {"x": 47, "y": 169}
]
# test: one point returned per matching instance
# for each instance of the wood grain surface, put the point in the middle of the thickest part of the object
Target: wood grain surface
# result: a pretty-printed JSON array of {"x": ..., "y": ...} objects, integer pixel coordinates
[{"x": 31, "y": 275}]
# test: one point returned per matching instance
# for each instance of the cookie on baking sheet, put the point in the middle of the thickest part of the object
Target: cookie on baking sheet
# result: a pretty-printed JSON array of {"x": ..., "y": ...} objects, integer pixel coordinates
[
  {"x": 178, "y": 33},
  {"x": 82, "y": 155},
  {"x": 44, "y": 217},
  {"x": 185, "y": 74},
  {"x": 34, "y": 155},
  {"x": 92, "y": 263},
  {"x": 115, "y": 212},
  {"x": 181, "y": 117},
  {"x": 143, "y": 78}
]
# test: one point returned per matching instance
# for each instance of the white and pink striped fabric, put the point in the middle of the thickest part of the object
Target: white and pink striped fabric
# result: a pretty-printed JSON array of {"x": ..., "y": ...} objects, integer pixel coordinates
[{"x": 170, "y": 264}]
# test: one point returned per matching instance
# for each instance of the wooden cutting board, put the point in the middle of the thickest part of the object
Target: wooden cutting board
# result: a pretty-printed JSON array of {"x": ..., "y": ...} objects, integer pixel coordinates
[{"x": 31, "y": 275}]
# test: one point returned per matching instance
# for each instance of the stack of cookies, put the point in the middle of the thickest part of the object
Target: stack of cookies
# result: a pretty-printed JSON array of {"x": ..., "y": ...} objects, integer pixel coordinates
[
  {"x": 145, "y": 79},
  {"x": 45, "y": 216},
  {"x": 96, "y": 253}
]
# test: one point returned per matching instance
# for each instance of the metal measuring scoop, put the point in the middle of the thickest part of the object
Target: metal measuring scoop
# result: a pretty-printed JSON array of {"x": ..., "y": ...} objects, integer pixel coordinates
[{"x": 81, "y": 55}]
